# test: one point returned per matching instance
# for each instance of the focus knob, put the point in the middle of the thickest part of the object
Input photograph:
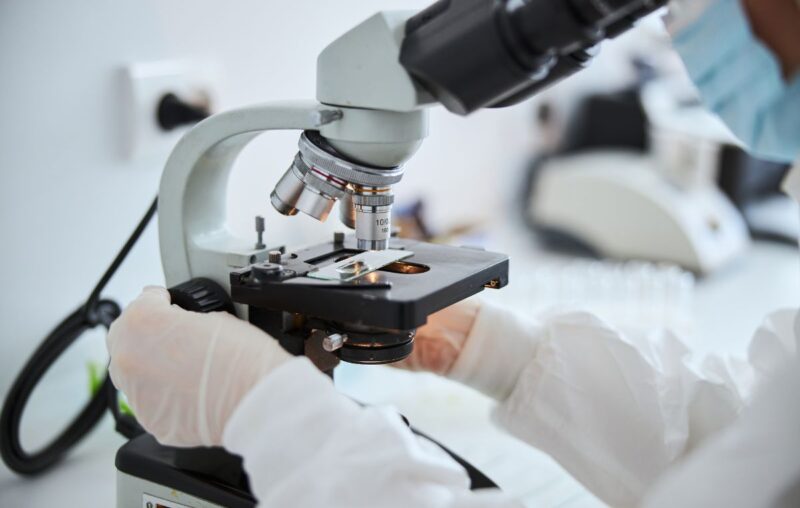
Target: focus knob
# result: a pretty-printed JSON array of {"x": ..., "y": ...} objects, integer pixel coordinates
[{"x": 201, "y": 295}]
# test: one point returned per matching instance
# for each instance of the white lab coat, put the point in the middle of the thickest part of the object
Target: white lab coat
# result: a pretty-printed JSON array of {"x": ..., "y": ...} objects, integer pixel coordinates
[{"x": 628, "y": 416}]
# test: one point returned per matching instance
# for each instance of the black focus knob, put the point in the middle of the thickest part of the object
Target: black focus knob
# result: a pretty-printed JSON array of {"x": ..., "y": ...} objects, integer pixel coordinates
[{"x": 201, "y": 295}]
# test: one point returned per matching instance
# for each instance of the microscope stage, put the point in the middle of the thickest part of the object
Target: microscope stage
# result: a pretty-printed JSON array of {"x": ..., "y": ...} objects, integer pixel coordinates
[{"x": 399, "y": 296}]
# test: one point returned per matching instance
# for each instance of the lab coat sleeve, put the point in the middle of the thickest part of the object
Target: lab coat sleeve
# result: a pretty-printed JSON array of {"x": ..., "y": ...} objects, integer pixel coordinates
[
  {"x": 614, "y": 411},
  {"x": 755, "y": 461},
  {"x": 306, "y": 445}
]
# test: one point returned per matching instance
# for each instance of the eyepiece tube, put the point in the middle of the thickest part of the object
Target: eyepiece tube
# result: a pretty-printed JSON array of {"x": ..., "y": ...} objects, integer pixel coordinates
[{"x": 471, "y": 54}]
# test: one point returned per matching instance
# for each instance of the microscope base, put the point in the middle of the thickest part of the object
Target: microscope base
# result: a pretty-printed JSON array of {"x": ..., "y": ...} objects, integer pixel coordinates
[
  {"x": 150, "y": 475},
  {"x": 133, "y": 492},
  {"x": 168, "y": 477}
]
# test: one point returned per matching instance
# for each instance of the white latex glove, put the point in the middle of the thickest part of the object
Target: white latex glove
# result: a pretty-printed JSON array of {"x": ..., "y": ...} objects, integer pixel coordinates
[
  {"x": 456, "y": 343},
  {"x": 439, "y": 343},
  {"x": 184, "y": 372}
]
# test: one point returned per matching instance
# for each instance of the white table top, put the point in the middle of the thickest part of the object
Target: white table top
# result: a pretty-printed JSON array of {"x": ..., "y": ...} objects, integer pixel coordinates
[{"x": 726, "y": 311}]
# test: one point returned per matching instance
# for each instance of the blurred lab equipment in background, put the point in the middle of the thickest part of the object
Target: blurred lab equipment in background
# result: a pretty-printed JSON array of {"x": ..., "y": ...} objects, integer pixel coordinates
[
  {"x": 645, "y": 172},
  {"x": 637, "y": 296},
  {"x": 411, "y": 221}
]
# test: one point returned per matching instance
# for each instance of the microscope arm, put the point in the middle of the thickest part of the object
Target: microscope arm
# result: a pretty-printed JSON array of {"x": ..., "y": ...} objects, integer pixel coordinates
[{"x": 193, "y": 231}]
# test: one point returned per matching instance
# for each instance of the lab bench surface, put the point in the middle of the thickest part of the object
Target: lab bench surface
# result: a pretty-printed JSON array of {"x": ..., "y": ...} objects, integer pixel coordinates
[{"x": 725, "y": 313}]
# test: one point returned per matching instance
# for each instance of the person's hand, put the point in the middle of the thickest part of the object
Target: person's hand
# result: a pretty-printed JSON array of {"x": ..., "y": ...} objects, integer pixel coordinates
[
  {"x": 439, "y": 343},
  {"x": 183, "y": 372}
]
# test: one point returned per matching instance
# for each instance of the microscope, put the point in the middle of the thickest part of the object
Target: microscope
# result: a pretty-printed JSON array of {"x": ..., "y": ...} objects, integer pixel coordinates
[{"x": 356, "y": 298}]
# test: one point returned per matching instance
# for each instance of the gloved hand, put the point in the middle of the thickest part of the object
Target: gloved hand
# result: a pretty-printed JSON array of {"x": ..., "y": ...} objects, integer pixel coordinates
[
  {"x": 183, "y": 372},
  {"x": 439, "y": 343},
  {"x": 480, "y": 345}
]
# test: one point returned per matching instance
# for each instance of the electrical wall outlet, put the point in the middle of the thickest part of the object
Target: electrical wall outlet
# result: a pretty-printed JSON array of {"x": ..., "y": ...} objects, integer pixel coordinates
[{"x": 144, "y": 86}]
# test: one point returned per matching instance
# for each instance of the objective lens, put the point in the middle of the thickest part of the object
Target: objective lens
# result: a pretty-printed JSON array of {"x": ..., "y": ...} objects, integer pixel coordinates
[
  {"x": 373, "y": 217},
  {"x": 373, "y": 227},
  {"x": 314, "y": 203},
  {"x": 347, "y": 211},
  {"x": 287, "y": 191},
  {"x": 308, "y": 190},
  {"x": 319, "y": 176}
]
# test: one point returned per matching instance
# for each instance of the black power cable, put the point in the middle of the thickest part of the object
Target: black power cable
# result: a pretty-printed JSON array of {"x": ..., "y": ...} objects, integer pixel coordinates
[{"x": 94, "y": 312}]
